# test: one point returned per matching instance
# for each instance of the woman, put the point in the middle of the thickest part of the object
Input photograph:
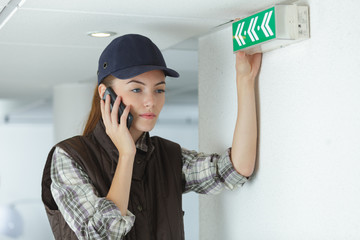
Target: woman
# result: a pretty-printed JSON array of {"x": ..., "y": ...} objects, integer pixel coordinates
[{"x": 115, "y": 182}]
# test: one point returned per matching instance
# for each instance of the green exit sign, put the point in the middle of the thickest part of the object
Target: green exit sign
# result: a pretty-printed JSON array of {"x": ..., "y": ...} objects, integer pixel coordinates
[
  {"x": 255, "y": 29},
  {"x": 272, "y": 28}
]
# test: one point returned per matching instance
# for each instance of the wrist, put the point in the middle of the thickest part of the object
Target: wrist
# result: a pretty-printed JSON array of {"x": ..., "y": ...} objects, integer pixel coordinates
[
  {"x": 127, "y": 158},
  {"x": 245, "y": 77},
  {"x": 125, "y": 163},
  {"x": 127, "y": 150},
  {"x": 245, "y": 83}
]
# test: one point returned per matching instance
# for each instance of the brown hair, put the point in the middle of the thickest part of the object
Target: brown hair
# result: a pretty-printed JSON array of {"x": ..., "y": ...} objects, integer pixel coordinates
[{"x": 95, "y": 112}]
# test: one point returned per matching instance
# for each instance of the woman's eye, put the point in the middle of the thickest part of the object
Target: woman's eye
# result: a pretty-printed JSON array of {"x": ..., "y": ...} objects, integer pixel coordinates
[
  {"x": 160, "y": 90},
  {"x": 136, "y": 90}
]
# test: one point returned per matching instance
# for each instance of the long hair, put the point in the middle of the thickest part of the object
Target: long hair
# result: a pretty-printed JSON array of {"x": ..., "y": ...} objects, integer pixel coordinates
[{"x": 95, "y": 112}]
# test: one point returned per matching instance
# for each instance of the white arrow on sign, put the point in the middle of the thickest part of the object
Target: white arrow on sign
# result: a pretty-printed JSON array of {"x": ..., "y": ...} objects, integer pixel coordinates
[
  {"x": 265, "y": 24},
  {"x": 238, "y": 36},
  {"x": 249, "y": 30},
  {"x": 252, "y": 29}
]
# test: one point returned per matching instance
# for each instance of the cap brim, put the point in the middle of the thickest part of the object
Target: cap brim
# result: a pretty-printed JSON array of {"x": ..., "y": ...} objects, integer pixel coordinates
[{"x": 137, "y": 70}]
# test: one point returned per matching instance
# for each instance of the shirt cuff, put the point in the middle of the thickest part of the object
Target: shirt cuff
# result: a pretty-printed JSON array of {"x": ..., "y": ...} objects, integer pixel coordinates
[
  {"x": 112, "y": 213},
  {"x": 228, "y": 173}
]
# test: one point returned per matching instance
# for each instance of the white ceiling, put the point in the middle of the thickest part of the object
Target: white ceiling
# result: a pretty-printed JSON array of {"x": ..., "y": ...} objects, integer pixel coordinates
[{"x": 46, "y": 43}]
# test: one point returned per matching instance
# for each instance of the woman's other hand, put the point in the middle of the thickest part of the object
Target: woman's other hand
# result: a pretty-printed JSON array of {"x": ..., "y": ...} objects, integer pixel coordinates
[{"x": 247, "y": 66}]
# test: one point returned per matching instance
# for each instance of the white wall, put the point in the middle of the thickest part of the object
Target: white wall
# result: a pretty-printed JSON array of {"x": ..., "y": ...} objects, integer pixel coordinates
[
  {"x": 307, "y": 182},
  {"x": 23, "y": 151}
]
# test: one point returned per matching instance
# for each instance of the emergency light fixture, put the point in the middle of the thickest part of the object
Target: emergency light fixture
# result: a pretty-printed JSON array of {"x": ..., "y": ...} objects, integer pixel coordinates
[{"x": 272, "y": 28}]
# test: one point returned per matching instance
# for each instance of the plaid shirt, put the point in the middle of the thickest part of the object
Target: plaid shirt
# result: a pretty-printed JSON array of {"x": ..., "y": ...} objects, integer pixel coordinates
[{"x": 93, "y": 217}]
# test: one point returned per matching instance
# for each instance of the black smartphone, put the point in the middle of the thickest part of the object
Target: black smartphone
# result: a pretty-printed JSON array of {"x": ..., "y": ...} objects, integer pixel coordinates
[{"x": 113, "y": 96}]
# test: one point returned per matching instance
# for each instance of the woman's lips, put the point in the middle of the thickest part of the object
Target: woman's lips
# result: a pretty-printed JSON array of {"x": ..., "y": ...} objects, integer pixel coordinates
[{"x": 148, "y": 115}]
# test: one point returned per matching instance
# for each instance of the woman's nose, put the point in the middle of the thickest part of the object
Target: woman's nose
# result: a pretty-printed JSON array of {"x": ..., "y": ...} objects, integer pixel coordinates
[{"x": 149, "y": 101}]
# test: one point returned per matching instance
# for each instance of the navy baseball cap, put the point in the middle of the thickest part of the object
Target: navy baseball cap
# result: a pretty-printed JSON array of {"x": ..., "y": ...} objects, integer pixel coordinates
[{"x": 131, "y": 55}]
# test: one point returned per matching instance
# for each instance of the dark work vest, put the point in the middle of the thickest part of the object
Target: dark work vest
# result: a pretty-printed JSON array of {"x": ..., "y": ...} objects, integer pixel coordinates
[{"x": 156, "y": 187}]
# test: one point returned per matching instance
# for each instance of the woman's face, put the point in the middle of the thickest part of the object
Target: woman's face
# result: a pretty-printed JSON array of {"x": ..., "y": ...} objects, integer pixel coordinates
[{"x": 145, "y": 94}]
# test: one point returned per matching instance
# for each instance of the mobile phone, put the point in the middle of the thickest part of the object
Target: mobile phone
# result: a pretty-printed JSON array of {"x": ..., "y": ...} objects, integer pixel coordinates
[{"x": 122, "y": 106}]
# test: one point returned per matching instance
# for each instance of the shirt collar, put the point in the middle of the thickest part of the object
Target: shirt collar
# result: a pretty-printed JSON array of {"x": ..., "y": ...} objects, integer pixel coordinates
[{"x": 144, "y": 143}]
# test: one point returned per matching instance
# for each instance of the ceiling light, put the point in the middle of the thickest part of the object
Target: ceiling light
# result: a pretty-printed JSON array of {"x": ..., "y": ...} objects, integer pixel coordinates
[{"x": 101, "y": 34}]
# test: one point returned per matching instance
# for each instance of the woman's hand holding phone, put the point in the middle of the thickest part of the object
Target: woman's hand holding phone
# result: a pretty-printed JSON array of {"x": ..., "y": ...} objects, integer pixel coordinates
[{"x": 118, "y": 133}]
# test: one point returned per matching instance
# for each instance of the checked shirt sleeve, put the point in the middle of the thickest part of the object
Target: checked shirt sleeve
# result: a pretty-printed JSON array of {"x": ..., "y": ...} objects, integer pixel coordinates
[
  {"x": 209, "y": 173},
  {"x": 89, "y": 216}
]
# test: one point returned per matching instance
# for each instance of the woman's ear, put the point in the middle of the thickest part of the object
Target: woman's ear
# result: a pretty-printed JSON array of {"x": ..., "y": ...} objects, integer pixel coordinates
[{"x": 101, "y": 90}]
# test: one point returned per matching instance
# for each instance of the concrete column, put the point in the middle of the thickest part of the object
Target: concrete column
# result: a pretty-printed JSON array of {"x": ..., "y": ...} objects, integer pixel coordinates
[
  {"x": 72, "y": 103},
  {"x": 217, "y": 115}
]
